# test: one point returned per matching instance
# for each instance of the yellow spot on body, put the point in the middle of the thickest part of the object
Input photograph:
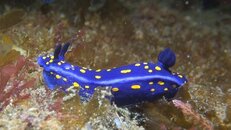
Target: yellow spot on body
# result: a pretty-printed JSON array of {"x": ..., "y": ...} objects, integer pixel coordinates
[
  {"x": 150, "y": 71},
  {"x": 98, "y": 77},
  {"x": 90, "y": 69},
  {"x": 75, "y": 84},
  {"x": 146, "y": 67},
  {"x": 62, "y": 61},
  {"x": 51, "y": 61},
  {"x": 98, "y": 70},
  {"x": 57, "y": 76},
  {"x": 115, "y": 89},
  {"x": 145, "y": 63},
  {"x": 67, "y": 68},
  {"x": 150, "y": 83},
  {"x": 108, "y": 69},
  {"x": 82, "y": 71},
  {"x": 135, "y": 87},
  {"x": 65, "y": 79},
  {"x": 137, "y": 64},
  {"x": 165, "y": 89},
  {"x": 47, "y": 63},
  {"x": 84, "y": 68},
  {"x": 157, "y": 68},
  {"x": 180, "y": 76},
  {"x": 52, "y": 57},
  {"x": 72, "y": 67},
  {"x": 59, "y": 63},
  {"x": 161, "y": 83},
  {"x": 152, "y": 90},
  {"x": 125, "y": 71},
  {"x": 51, "y": 73},
  {"x": 87, "y": 87},
  {"x": 44, "y": 58}
]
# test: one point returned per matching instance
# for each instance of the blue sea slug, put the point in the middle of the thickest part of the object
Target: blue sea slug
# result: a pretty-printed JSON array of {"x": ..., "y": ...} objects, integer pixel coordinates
[{"x": 130, "y": 84}]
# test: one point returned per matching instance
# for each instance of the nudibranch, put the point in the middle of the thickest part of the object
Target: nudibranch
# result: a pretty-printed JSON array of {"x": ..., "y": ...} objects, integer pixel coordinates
[{"x": 130, "y": 84}]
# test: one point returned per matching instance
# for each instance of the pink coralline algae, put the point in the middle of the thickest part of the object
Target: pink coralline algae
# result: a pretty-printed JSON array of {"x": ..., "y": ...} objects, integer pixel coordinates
[
  {"x": 13, "y": 81},
  {"x": 192, "y": 115}
]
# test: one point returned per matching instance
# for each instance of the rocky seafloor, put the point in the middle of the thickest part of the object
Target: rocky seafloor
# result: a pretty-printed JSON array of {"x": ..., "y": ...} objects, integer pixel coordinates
[{"x": 106, "y": 34}]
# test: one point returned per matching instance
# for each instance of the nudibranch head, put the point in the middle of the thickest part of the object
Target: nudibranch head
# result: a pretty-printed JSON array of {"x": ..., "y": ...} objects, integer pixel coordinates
[{"x": 46, "y": 60}]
